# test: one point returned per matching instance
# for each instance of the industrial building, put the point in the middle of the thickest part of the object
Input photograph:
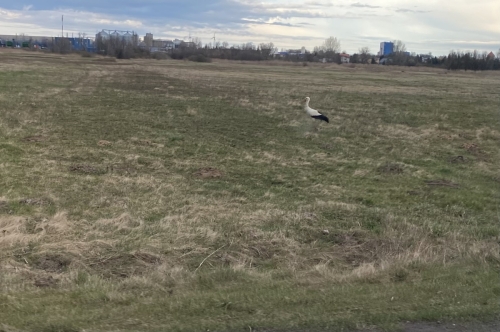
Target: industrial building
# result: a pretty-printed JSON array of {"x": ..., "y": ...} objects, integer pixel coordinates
[
  {"x": 162, "y": 45},
  {"x": 23, "y": 40},
  {"x": 128, "y": 36},
  {"x": 77, "y": 44}
]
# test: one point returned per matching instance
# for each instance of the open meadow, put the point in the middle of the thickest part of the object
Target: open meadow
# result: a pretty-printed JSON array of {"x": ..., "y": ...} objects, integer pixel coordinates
[{"x": 177, "y": 196}]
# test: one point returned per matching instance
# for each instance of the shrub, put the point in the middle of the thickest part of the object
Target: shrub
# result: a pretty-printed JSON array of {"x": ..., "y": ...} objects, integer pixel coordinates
[
  {"x": 159, "y": 55},
  {"x": 86, "y": 54},
  {"x": 199, "y": 58}
]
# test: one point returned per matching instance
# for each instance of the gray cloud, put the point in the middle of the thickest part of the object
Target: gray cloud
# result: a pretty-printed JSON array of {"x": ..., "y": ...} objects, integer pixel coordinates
[
  {"x": 404, "y": 10},
  {"x": 362, "y": 5}
]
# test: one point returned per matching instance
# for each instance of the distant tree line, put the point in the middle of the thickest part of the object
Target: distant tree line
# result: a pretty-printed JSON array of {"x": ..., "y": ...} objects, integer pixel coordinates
[
  {"x": 62, "y": 46},
  {"x": 247, "y": 52},
  {"x": 470, "y": 61},
  {"x": 328, "y": 51},
  {"x": 454, "y": 61},
  {"x": 119, "y": 48}
]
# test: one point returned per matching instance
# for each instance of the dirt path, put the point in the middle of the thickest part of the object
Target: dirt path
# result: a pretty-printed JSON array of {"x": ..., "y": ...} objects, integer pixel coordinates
[
  {"x": 425, "y": 327},
  {"x": 435, "y": 327}
]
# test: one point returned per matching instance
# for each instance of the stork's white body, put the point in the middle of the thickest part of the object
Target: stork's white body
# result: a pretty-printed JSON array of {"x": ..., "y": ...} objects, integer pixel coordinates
[
  {"x": 314, "y": 113},
  {"x": 311, "y": 111}
]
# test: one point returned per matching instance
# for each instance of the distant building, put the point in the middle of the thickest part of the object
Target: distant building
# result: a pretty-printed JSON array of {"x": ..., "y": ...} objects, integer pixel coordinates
[
  {"x": 77, "y": 44},
  {"x": 34, "y": 41},
  {"x": 169, "y": 45},
  {"x": 163, "y": 44},
  {"x": 177, "y": 43},
  {"x": 128, "y": 36},
  {"x": 490, "y": 55},
  {"x": 426, "y": 57},
  {"x": 344, "y": 58},
  {"x": 148, "y": 40},
  {"x": 299, "y": 52},
  {"x": 187, "y": 44},
  {"x": 386, "y": 48},
  {"x": 157, "y": 45}
]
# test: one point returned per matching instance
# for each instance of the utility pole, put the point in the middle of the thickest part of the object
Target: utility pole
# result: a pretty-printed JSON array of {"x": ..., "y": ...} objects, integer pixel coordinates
[
  {"x": 62, "y": 26},
  {"x": 214, "y": 40}
]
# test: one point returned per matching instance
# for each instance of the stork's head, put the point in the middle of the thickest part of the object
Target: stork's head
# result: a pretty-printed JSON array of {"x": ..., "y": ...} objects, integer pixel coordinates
[{"x": 306, "y": 99}]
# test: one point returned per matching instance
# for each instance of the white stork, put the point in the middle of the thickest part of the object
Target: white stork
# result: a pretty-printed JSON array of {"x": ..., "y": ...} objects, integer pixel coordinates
[{"x": 313, "y": 113}]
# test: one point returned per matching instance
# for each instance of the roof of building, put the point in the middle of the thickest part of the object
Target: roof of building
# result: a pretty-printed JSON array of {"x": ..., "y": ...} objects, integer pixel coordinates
[{"x": 344, "y": 55}]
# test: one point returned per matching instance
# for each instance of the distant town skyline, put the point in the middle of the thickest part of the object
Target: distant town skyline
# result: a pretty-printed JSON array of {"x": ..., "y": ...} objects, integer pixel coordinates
[{"x": 423, "y": 25}]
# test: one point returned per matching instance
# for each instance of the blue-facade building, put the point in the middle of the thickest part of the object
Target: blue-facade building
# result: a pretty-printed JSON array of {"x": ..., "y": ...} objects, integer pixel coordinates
[
  {"x": 79, "y": 44},
  {"x": 386, "y": 48}
]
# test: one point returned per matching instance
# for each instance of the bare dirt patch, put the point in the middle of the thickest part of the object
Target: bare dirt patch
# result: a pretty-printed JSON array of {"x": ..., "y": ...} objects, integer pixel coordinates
[
  {"x": 147, "y": 258},
  {"x": 35, "y": 201},
  {"x": 208, "y": 172},
  {"x": 45, "y": 281},
  {"x": 475, "y": 150},
  {"x": 104, "y": 143},
  {"x": 146, "y": 142},
  {"x": 458, "y": 160},
  {"x": 51, "y": 262},
  {"x": 357, "y": 247},
  {"x": 35, "y": 139},
  {"x": 391, "y": 168},
  {"x": 124, "y": 265},
  {"x": 122, "y": 169},
  {"x": 442, "y": 183},
  {"x": 3, "y": 205},
  {"x": 86, "y": 169}
]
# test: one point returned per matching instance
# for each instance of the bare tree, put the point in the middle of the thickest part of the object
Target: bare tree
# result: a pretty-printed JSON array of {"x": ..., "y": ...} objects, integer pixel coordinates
[
  {"x": 331, "y": 44},
  {"x": 267, "y": 49},
  {"x": 399, "y": 46},
  {"x": 225, "y": 45},
  {"x": 197, "y": 42},
  {"x": 364, "y": 53},
  {"x": 498, "y": 53},
  {"x": 62, "y": 45},
  {"x": 247, "y": 46},
  {"x": 115, "y": 46}
]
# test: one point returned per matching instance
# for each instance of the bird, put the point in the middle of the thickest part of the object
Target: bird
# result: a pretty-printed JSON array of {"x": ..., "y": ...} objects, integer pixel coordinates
[{"x": 313, "y": 113}]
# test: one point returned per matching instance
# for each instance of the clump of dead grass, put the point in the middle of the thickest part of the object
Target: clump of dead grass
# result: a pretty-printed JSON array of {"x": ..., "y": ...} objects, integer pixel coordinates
[{"x": 208, "y": 172}]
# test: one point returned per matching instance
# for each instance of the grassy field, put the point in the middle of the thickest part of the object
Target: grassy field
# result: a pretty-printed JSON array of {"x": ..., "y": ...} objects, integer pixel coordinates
[{"x": 173, "y": 196}]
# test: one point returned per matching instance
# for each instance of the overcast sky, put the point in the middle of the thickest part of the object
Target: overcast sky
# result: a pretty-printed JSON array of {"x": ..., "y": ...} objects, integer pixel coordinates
[{"x": 423, "y": 25}]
